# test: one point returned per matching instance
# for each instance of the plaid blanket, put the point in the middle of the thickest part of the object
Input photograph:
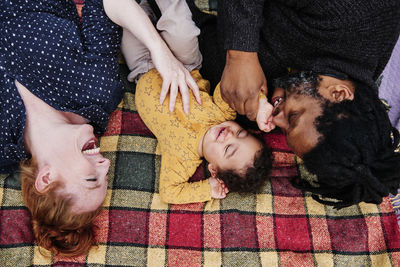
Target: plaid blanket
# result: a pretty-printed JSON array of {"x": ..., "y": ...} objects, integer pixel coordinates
[{"x": 280, "y": 227}]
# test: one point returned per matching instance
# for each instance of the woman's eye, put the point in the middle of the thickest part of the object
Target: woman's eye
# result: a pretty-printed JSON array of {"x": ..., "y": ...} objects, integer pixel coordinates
[
  {"x": 91, "y": 179},
  {"x": 240, "y": 131}
]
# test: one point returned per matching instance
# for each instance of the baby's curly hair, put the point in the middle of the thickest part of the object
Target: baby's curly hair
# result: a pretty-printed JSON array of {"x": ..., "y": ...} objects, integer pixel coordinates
[{"x": 255, "y": 175}]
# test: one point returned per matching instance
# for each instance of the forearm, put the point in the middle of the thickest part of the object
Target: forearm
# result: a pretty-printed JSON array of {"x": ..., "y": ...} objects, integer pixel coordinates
[
  {"x": 129, "y": 15},
  {"x": 241, "y": 21},
  {"x": 186, "y": 192}
]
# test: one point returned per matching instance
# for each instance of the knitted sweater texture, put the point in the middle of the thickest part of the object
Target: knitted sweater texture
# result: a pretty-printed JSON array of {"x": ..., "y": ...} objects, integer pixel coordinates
[{"x": 350, "y": 37}]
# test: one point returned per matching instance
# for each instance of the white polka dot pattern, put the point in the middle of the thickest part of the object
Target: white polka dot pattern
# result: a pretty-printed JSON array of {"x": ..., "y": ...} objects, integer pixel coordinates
[{"x": 68, "y": 63}]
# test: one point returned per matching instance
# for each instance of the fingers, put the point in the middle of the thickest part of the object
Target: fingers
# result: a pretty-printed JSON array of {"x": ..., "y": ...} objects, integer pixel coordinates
[
  {"x": 218, "y": 188},
  {"x": 221, "y": 193},
  {"x": 194, "y": 87},
  {"x": 185, "y": 96},
  {"x": 180, "y": 82},
  {"x": 251, "y": 107},
  {"x": 164, "y": 90},
  {"x": 238, "y": 105},
  {"x": 261, "y": 124},
  {"x": 173, "y": 92},
  {"x": 225, "y": 189},
  {"x": 270, "y": 125}
]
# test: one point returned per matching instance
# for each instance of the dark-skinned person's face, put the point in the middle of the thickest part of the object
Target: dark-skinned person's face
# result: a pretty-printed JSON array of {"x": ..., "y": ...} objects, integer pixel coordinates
[{"x": 296, "y": 114}]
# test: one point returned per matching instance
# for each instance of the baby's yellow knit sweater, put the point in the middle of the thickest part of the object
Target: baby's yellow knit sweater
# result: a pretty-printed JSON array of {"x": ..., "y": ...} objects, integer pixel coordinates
[{"x": 179, "y": 134}]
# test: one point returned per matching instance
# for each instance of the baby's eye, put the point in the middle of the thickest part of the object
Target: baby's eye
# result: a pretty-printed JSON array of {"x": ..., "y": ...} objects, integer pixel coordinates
[
  {"x": 241, "y": 133},
  {"x": 91, "y": 179},
  {"x": 227, "y": 149}
]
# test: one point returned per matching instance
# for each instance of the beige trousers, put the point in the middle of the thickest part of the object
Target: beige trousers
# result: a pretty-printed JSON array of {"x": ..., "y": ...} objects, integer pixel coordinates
[{"x": 177, "y": 29}]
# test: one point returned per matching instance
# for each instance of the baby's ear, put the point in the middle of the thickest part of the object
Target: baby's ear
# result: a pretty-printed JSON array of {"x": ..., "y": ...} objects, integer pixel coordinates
[{"x": 212, "y": 169}]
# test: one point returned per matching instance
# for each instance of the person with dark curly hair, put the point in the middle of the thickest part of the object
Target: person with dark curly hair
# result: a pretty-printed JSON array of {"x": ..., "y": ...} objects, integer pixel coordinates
[
  {"x": 351, "y": 145},
  {"x": 329, "y": 110}
]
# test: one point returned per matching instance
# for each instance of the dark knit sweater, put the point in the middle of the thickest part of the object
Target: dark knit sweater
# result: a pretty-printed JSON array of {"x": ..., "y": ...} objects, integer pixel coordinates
[{"x": 352, "y": 37}]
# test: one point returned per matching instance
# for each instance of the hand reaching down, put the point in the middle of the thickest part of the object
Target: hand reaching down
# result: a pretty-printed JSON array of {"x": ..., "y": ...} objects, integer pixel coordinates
[
  {"x": 176, "y": 78},
  {"x": 129, "y": 15},
  {"x": 242, "y": 81}
]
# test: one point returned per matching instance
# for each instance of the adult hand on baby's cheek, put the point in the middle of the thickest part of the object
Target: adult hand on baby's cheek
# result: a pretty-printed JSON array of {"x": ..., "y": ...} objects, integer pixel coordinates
[
  {"x": 264, "y": 116},
  {"x": 218, "y": 190}
]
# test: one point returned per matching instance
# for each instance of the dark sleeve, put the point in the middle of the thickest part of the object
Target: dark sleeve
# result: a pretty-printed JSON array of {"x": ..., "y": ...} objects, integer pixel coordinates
[{"x": 240, "y": 22}]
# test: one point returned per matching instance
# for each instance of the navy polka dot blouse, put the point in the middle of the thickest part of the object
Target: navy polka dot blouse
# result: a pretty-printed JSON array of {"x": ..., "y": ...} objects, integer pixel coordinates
[{"x": 68, "y": 63}]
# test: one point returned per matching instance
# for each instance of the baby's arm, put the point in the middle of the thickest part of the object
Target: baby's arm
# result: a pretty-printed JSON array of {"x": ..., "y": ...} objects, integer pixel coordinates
[
  {"x": 174, "y": 186},
  {"x": 129, "y": 15},
  {"x": 264, "y": 114}
]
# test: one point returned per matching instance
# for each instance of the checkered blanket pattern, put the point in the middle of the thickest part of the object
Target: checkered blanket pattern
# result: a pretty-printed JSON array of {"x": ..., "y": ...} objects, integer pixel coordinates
[{"x": 280, "y": 227}]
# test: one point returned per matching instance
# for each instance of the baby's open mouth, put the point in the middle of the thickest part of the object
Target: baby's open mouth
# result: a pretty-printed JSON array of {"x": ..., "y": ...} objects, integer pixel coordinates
[
  {"x": 220, "y": 131},
  {"x": 90, "y": 147}
]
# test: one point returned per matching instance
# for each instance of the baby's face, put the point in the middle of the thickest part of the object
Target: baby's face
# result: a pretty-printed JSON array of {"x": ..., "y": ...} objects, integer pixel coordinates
[{"x": 230, "y": 147}]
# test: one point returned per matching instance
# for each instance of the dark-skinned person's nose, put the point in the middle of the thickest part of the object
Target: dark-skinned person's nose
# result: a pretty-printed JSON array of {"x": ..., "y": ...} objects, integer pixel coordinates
[{"x": 279, "y": 120}]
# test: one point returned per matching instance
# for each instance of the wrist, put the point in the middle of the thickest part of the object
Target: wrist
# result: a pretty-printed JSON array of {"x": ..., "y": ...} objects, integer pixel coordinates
[
  {"x": 241, "y": 55},
  {"x": 156, "y": 45}
]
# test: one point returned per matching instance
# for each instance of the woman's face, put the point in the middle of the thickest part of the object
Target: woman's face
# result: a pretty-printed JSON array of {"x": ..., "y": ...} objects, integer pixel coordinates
[{"x": 77, "y": 163}]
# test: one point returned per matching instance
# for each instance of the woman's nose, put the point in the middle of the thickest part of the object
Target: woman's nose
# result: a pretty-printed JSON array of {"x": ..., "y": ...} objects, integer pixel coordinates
[
  {"x": 102, "y": 167},
  {"x": 103, "y": 162}
]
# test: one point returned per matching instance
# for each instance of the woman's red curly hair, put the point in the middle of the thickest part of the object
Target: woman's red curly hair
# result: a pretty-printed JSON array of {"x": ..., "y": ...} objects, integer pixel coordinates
[{"x": 54, "y": 226}]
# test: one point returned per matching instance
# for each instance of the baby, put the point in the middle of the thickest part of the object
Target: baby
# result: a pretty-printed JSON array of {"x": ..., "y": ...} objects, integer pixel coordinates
[{"x": 237, "y": 160}]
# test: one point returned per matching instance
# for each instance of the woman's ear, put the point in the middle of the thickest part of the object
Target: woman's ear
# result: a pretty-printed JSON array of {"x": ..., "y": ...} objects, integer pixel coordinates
[
  {"x": 340, "y": 92},
  {"x": 43, "y": 179},
  {"x": 212, "y": 169}
]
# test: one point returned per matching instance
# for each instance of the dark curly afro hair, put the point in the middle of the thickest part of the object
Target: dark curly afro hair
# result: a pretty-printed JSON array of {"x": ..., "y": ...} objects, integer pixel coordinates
[{"x": 355, "y": 158}]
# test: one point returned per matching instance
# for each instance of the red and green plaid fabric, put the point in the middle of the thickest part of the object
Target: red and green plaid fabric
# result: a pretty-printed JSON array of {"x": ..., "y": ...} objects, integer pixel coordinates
[{"x": 280, "y": 227}]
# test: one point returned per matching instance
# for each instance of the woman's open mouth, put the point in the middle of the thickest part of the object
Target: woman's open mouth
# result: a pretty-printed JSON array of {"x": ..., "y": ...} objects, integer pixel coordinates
[{"x": 90, "y": 147}]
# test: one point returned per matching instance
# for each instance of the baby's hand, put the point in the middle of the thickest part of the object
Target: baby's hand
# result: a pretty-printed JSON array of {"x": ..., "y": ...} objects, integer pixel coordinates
[
  {"x": 218, "y": 188},
  {"x": 264, "y": 115}
]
